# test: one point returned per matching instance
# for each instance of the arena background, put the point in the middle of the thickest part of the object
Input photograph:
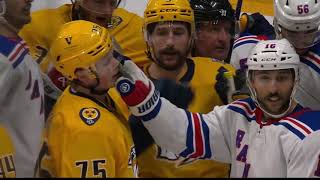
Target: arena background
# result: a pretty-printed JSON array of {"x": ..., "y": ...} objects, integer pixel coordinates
[{"x": 263, "y": 6}]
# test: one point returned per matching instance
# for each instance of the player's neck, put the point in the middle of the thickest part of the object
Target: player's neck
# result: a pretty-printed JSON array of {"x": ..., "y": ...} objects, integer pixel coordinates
[
  {"x": 156, "y": 72},
  {"x": 100, "y": 98},
  {"x": 266, "y": 117},
  {"x": 8, "y": 31}
]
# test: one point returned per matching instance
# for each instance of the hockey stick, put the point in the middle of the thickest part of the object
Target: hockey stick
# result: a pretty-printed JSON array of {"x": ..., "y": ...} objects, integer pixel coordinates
[{"x": 237, "y": 17}]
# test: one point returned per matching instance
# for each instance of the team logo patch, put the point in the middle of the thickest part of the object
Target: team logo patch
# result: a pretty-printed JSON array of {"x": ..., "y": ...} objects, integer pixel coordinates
[
  {"x": 89, "y": 115},
  {"x": 124, "y": 88},
  {"x": 115, "y": 21}
]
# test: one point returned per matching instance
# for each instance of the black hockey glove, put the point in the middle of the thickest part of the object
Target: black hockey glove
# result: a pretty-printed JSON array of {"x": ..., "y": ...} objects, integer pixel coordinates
[{"x": 180, "y": 95}]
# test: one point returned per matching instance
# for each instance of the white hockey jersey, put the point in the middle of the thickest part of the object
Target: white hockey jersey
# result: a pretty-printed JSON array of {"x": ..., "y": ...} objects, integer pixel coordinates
[
  {"x": 21, "y": 102},
  {"x": 241, "y": 50},
  {"x": 308, "y": 91},
  {"x": 235, "y": 134}
]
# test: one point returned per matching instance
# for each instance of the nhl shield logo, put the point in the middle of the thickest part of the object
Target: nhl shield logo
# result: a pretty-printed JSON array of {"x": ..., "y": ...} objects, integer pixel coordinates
[{"x": 89, "y": 115}]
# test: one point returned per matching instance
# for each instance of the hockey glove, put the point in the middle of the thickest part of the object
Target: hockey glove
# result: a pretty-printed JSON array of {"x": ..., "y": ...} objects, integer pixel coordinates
[
  {"x": 256, "y": 24},
  {"x": 221, "y": 85},
  {"x": 137, "y": 91},
  {"x": 231, "y": 88},
  {"x": 178, "y": 94},
  {"x": 242, "y": 90}
]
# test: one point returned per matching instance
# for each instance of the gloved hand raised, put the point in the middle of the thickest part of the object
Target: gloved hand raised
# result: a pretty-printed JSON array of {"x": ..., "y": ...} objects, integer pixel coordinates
[
  {"x": 136, "y": 89},
  {"x": 256, "y": 24},
  {"x": 231, "y": 88}
]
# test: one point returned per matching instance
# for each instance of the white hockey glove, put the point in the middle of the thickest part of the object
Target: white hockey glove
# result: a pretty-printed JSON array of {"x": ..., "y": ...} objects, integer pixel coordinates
[{"x": 137, "y": 91}]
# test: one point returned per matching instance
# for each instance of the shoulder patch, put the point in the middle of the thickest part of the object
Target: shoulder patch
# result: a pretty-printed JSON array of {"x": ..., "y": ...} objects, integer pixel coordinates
[
  {"x": 115, "y": 21},
  {"x": 89, "y": 115}
]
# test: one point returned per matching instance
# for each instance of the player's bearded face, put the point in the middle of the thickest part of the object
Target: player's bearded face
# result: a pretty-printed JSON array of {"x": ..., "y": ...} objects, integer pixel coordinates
[
  {"x": 273, "y": 89},
  {"x": 18, "y": 12},
  {"x": 170, "y": 45}
]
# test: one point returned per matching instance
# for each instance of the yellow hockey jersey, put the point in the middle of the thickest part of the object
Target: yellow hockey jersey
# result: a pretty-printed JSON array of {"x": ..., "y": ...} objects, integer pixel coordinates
[
  {"x": 7, "y": 169},
  {"x": 86, "y": 138},
  {"x": 157, "y": 162},
  {"x": 45, "y": 24}
]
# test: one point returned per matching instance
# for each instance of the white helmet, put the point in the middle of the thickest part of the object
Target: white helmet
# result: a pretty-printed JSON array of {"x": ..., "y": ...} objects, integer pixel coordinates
[
  {"x": 298, "y": 16},
  {"x": 273, "y": 55}
]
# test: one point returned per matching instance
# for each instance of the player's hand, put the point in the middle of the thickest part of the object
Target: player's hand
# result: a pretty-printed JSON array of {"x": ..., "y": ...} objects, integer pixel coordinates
[
  {"x": 221, "y": 85},
  {"x": 242, "y": 90},
  {"x": 137, "y": 91},
  {"x": 256, "y": 24},
  {"x": 178, "y": 94},
  {"x": 232, "y": 89}
]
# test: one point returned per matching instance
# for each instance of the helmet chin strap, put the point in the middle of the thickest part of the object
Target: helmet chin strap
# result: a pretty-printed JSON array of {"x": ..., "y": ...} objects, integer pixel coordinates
[{"x": 276, "y": 116}]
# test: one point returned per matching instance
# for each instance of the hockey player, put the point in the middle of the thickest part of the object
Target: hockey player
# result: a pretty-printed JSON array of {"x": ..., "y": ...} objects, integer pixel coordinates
[
  {"x": 125, "y": 27},
  {"x": 215, "y": 28},
  {"x": 21, "y": 97},
  {"x": 299, "y": 22},
  {"x": 186, "y": 82},
  {"x": 267, "y": 135},
  {"x": 87, "y": 134}
]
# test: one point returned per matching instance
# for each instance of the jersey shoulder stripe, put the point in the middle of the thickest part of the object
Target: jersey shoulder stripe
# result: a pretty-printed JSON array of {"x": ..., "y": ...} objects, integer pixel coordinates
[
  {"x": 18, "y": 54},
  {"x": 246, "y": 40},
  {"x": 245, "y": 107},
  {"x": 302, "y": 125},
  {"x": 295, "y": 126},
  {"x": 14, "y": 50},
  {"x": 198, "y": 143},
  {"x": 312, "y": 60}
]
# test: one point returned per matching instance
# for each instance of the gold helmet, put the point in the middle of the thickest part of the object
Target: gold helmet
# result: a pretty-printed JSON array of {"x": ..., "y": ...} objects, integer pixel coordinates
[
  {"x": 169, "y": 10},
  {"x": 79, "y": 44}
]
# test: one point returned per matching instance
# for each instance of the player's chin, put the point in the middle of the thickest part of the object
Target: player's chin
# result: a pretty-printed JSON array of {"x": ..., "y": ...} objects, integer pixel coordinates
[
  {"x": 276, "y": 108},
  {"x": 220, "y": 54}
]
